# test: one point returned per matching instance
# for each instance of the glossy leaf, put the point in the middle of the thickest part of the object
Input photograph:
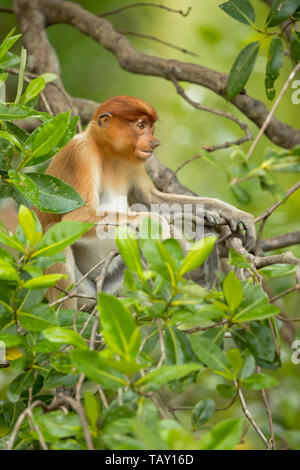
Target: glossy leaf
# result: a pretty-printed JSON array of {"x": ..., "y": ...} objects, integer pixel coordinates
[
  {"x": 40, "y": 282},
  {"x": 280, "y": 11},
  {"x": 259, "y": 382},
  {"x": 97, "y": 369},
  {"x": 165, "y": 374},
  {"x": 233, "y": 291},
  {"x": 240, "y": 10},
  {"x": 211, "y": 355},
  {"x": 91, "y": 408},
  {"x": 59, "y": 236},
  {"x": 199, "y": 252},
  {"x": 50, "y": 134},
  {"x": 119, "y": 329},
  {"x": 224, "y": 436},
  {"x": 242, "y": 69},
  {"x": 274, "y": 64},
  {"x": 64, "y": 336},
  {"x": 33, "y": 89},
  {"x": 202, "y": 412},
  {"x": 128, "y": 246}
]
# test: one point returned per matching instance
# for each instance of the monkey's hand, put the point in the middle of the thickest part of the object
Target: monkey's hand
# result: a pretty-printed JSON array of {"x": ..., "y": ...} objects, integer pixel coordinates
[{"x": 237, "y": 220}]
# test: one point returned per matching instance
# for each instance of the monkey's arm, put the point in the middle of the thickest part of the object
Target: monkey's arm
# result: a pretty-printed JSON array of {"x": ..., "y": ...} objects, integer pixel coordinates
[{"x": 214, "y": 211}]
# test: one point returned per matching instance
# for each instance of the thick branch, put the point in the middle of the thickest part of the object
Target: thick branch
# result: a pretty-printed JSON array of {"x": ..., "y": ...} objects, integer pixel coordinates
[
  {"x": 136, "y": 62},
  {"x": 281, "y": 241}
]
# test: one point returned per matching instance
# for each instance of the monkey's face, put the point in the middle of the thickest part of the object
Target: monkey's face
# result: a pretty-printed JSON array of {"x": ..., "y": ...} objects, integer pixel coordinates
[
  {"x": 143, "y": 140},
  {"x": 130, "y": 139}
]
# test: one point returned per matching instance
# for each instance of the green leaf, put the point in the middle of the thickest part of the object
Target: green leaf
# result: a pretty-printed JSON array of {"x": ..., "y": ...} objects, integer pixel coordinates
[
  {"x": 128, "y": 246},
  {"x": 18, "y": 385},
  {"x": 57, "y": 425},
  {"x": 278, "y": 270},
  {"x": 240, "y": 194},
  {"x": 40, "y": 282},
  {"x": 274, "y": 64},
  {"x": 10, "y": 340},
  {"x": 259, "y": 382},
  {"x": 50, "y": 134},
  {"x": 97, "y": 369},
  {"x": 54, "y": 195},
  {"x": 49, "y": 77},
  {"x": 8, "y": 42},
  {"x": 178, "y": 351},
  {"x": 202, "y": 412},
  {"x": 14, "y": 112},
  {"x": 64, "y": 336},
  {"x": 240, "y": 10},
  {"x": 24, "y": 185},
  {"x": 165, "y": 374},
  {"x": 33, "y": 89},
  {"x": 226, "y": 391},
  {"x": 59, "y": 236},
  {"x": 255, "y": 306},
  {"x": 224, "y": 436},
  {"x": 12, "y": 139},
  {"x": 242, "y": 69},
  {"x": 151, "y": 251},
  {"x": 40, "y": 317},
  {"x": 27, "y": 223},
  {"x": 178, "y": 346},
  {"x": 233, "y": 291},
  {"x": 8, "y": 274},
  {"x": 236, "y": 360},
  {"x": 236, "y": 259},
  {"x": 258, "y": 340},
  {"x": 259, "y": 313},
  {"x": 199, "y": 252},
  {"x": 91, "y": 408},
  {"x": 211, "y": 355},
  {"x": 295, "y": 45},
  {"x": 280, "y": 11},
  {"x": 8, "y": 239},
  {"x": 9, "y": 60},
  {"x": 119, "y": 329}
]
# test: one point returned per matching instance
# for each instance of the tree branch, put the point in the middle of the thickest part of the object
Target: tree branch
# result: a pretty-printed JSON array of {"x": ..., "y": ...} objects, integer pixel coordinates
[{"x": 53, "y": 11}]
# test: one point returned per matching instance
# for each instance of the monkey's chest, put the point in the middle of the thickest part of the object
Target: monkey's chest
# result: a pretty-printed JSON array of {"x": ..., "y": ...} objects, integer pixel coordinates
[{"x": 113, "y": 201}]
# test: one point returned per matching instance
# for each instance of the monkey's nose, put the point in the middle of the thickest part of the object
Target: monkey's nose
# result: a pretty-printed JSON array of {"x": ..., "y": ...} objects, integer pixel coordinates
[{"x": 154, "y": 143}]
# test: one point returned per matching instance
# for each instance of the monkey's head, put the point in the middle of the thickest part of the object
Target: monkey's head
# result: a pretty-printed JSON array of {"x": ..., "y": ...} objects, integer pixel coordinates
[{"x": 124, "y": 126}]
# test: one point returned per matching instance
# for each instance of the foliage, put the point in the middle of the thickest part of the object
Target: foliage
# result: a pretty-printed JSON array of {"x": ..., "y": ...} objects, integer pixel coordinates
[{"x": 161, "y": 336}]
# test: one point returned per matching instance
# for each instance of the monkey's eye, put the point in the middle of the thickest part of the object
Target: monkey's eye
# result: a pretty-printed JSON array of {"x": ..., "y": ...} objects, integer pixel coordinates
[{"x": 141, "y": 125}]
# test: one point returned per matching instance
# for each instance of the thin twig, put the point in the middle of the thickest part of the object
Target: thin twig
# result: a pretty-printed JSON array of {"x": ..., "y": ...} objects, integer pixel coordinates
[
  {"x": 31, "y": 75},
  {"x": 268, "y": 410},
  {"x": 36, "y": 428},
  {"x": 133, "y": 5},
  {"x": 146, "y": 336},
  {"x": 271, "y": 209},
  {"x": 78, "y": 387},
  {"x": 162, "y": 345},
  {"x": 87, "y": 322},
  {"x": 249, "y": 416},
  {"x": 274, "y": 107},
  {"x": 287, "y": 291},
  {"x": 102, "y": 396},
  {"x": 7, "y": 10},
  {"x": 161, "y": 41},
  {"x": 195, "y": 329},
  {"x": 217, "y": 112}
]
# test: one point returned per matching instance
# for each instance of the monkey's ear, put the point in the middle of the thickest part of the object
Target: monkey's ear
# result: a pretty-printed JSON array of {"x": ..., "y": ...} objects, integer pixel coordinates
[{"x": 104, "y": 119}]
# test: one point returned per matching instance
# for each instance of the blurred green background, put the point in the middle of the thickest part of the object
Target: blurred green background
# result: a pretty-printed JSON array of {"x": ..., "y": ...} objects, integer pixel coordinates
[{"x": 91, "y": 72}]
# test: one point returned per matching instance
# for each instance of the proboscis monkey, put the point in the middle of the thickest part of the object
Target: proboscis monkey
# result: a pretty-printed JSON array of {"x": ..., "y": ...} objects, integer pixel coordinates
[{"x": 105, "y": 164}]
